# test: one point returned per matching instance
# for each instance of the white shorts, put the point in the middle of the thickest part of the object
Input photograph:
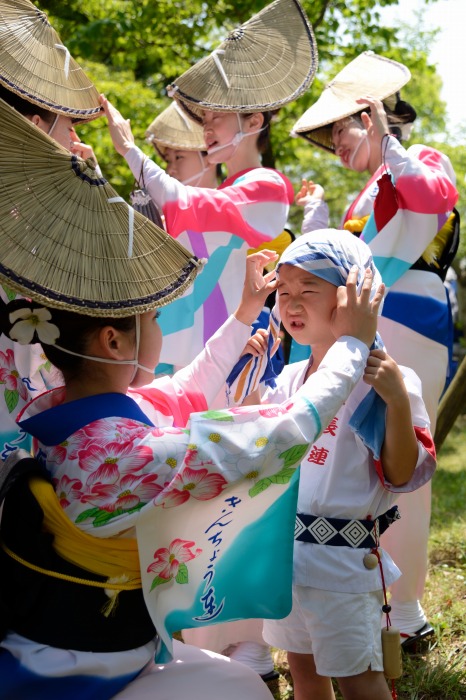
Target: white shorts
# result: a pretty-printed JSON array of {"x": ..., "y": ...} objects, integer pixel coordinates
[{"x": 341, "y": 630}]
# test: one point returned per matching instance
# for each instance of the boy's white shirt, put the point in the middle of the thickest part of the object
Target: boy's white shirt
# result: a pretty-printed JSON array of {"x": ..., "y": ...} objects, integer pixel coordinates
[{"x": 341, "y": 481}]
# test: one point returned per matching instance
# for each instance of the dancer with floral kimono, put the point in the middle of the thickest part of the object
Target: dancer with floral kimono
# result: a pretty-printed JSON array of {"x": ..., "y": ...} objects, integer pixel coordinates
[{"x": 123, "y": 529}]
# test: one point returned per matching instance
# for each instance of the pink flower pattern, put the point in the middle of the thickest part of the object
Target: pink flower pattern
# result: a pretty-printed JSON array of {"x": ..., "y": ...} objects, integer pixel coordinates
[
  {"x": 9, "y": 375},
  {"x": 67, "y": 490},
  {"x": 129, "y": 493},
  {"x": 167, "y": 560},
  {"x": 196, "y": 483},
  {"x": 107, "y": 463}
]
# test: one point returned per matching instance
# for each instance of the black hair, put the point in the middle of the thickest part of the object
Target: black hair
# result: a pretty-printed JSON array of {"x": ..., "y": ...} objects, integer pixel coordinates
[
  {"x": 402, "y": 113},
  {"x": 263, "y": 137},
  {"x": 24, "y": 107},
  {"x": 76, "y": 330}
]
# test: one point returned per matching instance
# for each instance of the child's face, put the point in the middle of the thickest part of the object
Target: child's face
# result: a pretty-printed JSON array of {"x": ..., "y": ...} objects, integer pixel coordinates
[
  {"x": 182, "y": 165},
  {"x": 306, "y": 303},
  {"x": 150, "y": 344}
]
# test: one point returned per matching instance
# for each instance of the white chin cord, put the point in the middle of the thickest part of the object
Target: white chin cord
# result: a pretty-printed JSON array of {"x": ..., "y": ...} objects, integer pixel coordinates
[
  {"x": 134, "y": 362},
  {"x": 53, "y": 125},
  {"x": 236, "y": 140},
  {"x": 362, "y": 140},
  {"x": 198, "y": 176}
]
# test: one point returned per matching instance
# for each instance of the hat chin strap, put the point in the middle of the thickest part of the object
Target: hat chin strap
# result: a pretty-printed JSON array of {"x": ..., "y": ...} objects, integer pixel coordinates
[
  {"x": 53, "y": 125},
  {"x": 134, "y": 362},
  {"x": 197, "y": 176},
  {"x": 363, "y": 139},
  {"x": 237, "y": 138}
]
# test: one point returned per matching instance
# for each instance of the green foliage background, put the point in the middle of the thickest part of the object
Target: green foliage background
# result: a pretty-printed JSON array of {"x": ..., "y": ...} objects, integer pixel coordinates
[{"x": 132, "y": 49}]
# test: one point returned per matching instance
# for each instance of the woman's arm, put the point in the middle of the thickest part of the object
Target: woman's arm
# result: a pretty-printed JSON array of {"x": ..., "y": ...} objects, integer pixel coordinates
[
  {"x": 424, "y": 177},
  {"x": 194, "y": 387},
  {"x": 311, "y": 197},
  {"x": 255, "y": 207}
]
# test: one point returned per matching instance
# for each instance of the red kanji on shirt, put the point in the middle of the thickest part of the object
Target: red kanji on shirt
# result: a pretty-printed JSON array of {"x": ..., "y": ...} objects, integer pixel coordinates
[
  {"x": 318, "y": 455},
  {"x": 332, "y": 427}
]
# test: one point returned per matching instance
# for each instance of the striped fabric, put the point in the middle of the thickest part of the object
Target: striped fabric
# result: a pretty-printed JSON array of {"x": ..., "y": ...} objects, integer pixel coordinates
[
  {"x": 246, "y": 211},
  {"x": 407, "y": 201}
]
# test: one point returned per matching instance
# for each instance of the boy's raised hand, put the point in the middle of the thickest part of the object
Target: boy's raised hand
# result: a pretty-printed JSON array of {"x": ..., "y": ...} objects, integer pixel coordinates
[
  {"x": 257, "y": 286},
  {"x": 356, "y": 314}
]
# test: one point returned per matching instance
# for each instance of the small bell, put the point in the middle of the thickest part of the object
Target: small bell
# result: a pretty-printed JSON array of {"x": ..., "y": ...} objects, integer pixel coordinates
[{"x": 370, "y": 560}]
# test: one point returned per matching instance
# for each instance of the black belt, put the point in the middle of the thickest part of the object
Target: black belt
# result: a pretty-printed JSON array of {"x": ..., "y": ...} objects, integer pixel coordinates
[{"x": 339, "y": 532}]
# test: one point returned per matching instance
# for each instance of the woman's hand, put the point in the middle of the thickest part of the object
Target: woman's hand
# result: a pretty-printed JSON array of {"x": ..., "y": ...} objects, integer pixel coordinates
[
  {"x": 120, "y": 129},
  {"x": 257, "y": 286},
  {"x": 376, "y": 123},
  {"x": 83, "y": 150},
  {"x": 309, "y": 191}
]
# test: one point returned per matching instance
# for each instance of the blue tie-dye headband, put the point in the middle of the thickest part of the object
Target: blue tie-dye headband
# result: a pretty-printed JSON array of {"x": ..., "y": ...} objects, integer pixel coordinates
[{"x": 330, "y": 255}]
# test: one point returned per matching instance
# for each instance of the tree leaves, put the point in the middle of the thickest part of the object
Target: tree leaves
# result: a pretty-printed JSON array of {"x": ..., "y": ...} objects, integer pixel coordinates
[{"x": 133, "y": 49}]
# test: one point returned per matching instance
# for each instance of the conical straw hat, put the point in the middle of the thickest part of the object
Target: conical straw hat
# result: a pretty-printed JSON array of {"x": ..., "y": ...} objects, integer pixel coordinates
[
  {"x": 173, "y": 129},
  {"x": 36, "y": 65},
  {"x": 367, "y": 75},
  {"x": 263, "y": 64},
  {"x": 68, "y": 243}
]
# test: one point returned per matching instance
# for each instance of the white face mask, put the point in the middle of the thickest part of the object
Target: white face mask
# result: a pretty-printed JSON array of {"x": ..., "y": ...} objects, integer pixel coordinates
[{"x": 237, "y": 138}]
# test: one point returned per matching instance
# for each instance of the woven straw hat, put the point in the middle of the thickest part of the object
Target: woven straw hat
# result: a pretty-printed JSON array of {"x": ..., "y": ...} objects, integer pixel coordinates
[
  {"x": 173, "y": 129},
  {"x": 263, "y": 64},
  {"x": 69, "y": 241},
  {"x": 35, "y": 65},
  {"x": 368, "y": 74}
]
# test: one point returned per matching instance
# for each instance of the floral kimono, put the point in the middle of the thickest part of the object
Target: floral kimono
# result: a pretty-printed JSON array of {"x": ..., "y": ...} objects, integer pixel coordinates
[{"x": 170, "y": 526}]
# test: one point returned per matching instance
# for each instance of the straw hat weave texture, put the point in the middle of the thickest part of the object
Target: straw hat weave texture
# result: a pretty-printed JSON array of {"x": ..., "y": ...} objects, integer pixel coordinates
[
  {"x": 265, "y": 63},
  {"x": 174, "y": 129},
  {"x": 66, "y": 244},
  {"x": 367, "y": 75},
  {"x": 36, "y": 65}
]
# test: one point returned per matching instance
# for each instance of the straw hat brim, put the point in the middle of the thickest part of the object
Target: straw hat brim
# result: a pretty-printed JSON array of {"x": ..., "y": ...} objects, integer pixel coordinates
[
  {"x": 262, "y": 65},
  {"x": 67, "y": 243},
  {"x": 367, "y": 75},
  {"x": 174, "y": 129},
  {"x": 35, "y": 64}
]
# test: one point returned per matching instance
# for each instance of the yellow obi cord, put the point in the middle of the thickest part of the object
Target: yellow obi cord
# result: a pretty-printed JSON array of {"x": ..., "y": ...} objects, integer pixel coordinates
[
  {"x": 109, "y": 557},
  {"x": 355, "y": 225},
  {"x": 436, "y": 247}
]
